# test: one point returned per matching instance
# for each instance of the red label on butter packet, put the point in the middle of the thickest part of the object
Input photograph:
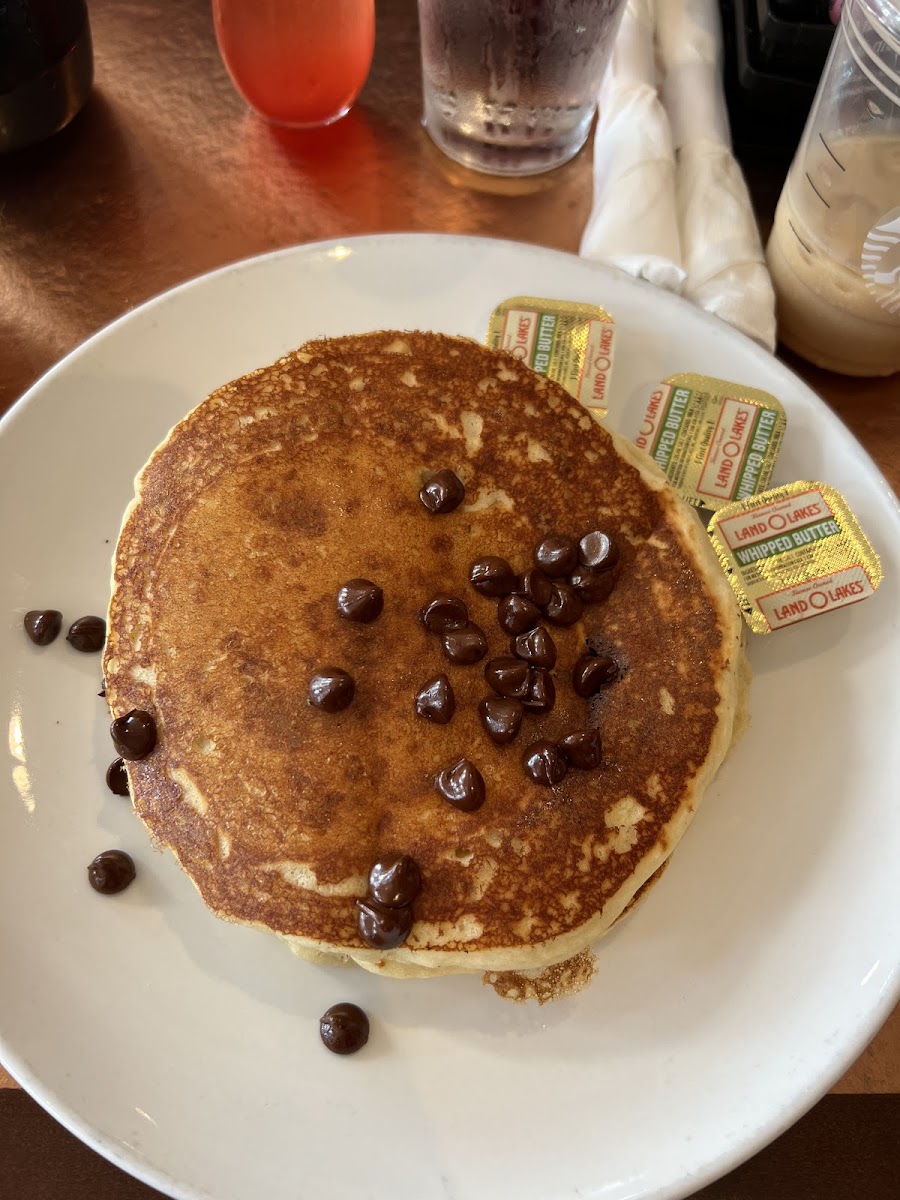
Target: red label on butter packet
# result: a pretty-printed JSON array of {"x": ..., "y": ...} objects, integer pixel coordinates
[{"x": 792, "y": 553}]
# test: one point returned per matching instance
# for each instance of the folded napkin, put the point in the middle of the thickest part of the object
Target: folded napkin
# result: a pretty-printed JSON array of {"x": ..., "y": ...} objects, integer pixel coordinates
[
  {"x": 670, "y": 202},
  {"x": 633, "y": 222},
  {"x": 722, "y": 252}
]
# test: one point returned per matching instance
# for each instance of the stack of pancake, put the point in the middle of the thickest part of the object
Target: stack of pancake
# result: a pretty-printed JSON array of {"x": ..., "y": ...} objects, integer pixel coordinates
[{"x": 247, "y": 520}]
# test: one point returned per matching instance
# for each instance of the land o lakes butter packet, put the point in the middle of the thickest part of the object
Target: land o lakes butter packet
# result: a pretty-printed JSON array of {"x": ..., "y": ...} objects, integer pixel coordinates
[
  {"x": 716, "y": 441},
  {"x": 792, "y": 553},
  {"x": 568, "y": 342}
]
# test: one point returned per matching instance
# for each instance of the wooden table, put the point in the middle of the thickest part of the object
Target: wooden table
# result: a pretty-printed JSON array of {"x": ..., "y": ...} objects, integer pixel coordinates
[{"x": 166, "y": 175}]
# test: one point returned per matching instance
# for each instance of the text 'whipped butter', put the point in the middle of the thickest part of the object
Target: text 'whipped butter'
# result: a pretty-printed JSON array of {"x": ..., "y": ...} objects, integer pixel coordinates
[
  {"x": 570, "y": 343},
  {"x": 793, "y": 553},
  {"x": 715, "y": 441}
]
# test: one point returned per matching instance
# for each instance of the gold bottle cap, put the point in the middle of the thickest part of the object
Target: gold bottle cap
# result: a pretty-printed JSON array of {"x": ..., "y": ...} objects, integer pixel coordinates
[
  {"x": 716, "y": 441},
  {"x": 792, "y": 553},
  {"x": 568, "y": 342}
]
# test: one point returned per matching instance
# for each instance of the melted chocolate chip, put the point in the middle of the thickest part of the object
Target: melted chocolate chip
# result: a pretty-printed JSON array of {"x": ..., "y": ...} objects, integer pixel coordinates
[
  {"x": 536, "y": 647},
  {"x": 436, "y": 701},
  {"x": 508, "y": 677},
  {"x": 582, "y": 750},
  {"x": 545, "y": 764},
  {"x": 116, "y": 778},
  {"x": 597, "y": 551},
  {"x": 43, "y": 625},
  {"x": 556, "y": 555},
  {"x": 593, "y": 588},
  {"x": 102, "y": 691},
  {"x": 444, "y": 613},
  {"x": 395, "y": 881},
  {"x": 134, "y": 735},
  {"x": 492, "y": 576},
  {"x": 360, "y": 600},
  {"x": 465, "y": 646},
  {"x": 590, "y": 674},
  {"x": 565, "y": 607},
  {"x": 331, "y": 689},
  {"x": 111, "y": 872},
  {"x": 87, "y": 634},
  {"x": 443, "y": 492},
  {"x": 541, "y": 695},
  {"x": 502, "y": 718},
  {"x": 382, "y": 927},
  {"x": 462, "y": 784},
  {"x": 517, "y": 614},
  {"x": 536, "y": 587},
  {"x": 344, "y": 1028}
]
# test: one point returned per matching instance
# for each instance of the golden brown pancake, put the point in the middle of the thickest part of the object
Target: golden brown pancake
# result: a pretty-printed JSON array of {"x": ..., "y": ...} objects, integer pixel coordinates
[{"x": 292, "y": 480}]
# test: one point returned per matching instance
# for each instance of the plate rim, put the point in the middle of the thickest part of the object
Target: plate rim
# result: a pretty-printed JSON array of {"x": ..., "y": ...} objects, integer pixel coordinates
[
  {"x": 299, "y": 249},
  {"x": 134, "y": 1163}
]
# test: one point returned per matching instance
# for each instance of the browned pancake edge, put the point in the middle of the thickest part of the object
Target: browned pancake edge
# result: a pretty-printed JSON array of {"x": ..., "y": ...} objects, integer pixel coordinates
[{"x": 289, "y": 481}]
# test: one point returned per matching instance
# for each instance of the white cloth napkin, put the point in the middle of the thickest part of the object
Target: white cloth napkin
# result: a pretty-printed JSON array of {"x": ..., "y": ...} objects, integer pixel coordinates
[
  {"x": 633, "y": 222},
  {"x": 723, "y": 255},
  {"x": 670, "y": 202}
]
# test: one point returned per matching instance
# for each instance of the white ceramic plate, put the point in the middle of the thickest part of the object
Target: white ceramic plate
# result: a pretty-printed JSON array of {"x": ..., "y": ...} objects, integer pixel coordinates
[{"x": 186, "y": 1050}]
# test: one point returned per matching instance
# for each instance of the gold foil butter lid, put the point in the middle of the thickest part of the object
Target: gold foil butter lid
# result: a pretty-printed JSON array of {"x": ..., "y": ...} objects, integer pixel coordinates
[
  {"x": 716, "y": 441},
  {"x": 792, "y": 553},
  {"x": 568, "y": 342}
]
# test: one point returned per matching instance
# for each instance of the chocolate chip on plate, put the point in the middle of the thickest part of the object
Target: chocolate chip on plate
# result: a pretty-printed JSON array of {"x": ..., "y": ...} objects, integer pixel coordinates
[
  {"x": 508, "y": 677},
  {"x": 565, "y": 607},
  {"x": 102, "y": 692},
  {"x": 87, "y": 634},
  {"x": 517, "y": 614},
  {"x": 443, "y": 492},
  {"x": 443, "y": 613},
  {"x": 395, "y": 880},
  {"x": 360, "y": 600},
  {"x": 492, "y": 576},
  {"x": 382, "y": 927},
  {"x": 43, "y": 625},
  {"x": 590, "y": 673},
  {"x": 535, "y": 586},
  {"x": 111, "y": 872},
  {"x": 462, "y": 784},
  {"x": 331, "y": 689},
  {"x": 536, "y": 647},
  {"x": 134, "y": 734},
  {"x": 541, "y": 694},
  {"x": 544, "y": 763},
  {"x": 583, "y": 749},
  {"x": 556, "y": 555},
  {"x": 501, "y": 717},
  {"x": 116, "y": 778},
  {"x": 465, "y": 646},
  {"x": 593, "y": 588},
  {"x": 436, "y": 701},
  {"x": 344, "y": 1028},
  {"x": 597, "y": 551}
]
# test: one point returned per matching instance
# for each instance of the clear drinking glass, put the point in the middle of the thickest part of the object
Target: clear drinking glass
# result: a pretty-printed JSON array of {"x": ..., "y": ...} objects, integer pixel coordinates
[
  {"x": 510, "y": 86},
  {"x": 300, "y": 63},
  {"x": 834, "y": 252}
]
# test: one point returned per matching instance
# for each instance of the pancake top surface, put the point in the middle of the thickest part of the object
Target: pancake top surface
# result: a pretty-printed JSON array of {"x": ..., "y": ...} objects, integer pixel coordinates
[{"x": 291, "y": 481}]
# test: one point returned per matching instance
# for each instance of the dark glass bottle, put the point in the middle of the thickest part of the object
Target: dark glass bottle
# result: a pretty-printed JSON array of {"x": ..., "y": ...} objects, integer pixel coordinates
[{"x": 46, "y": 68}]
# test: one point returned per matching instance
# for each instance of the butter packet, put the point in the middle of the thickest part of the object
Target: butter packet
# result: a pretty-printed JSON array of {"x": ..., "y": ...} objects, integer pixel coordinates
[
  {"x": 716, "y": 441},
  {"x": 568, "y": 342},
  {"x": 792, "y": 553}
]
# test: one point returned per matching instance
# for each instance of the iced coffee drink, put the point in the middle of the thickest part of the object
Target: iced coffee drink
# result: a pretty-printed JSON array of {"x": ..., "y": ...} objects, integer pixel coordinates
[{"x": 834, "y": 257}]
